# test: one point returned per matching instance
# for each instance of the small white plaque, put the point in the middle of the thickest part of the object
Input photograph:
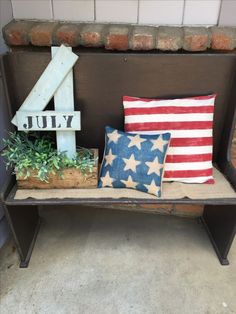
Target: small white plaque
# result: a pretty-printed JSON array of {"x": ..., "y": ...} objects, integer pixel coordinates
[{"x": 48, "y": 121}]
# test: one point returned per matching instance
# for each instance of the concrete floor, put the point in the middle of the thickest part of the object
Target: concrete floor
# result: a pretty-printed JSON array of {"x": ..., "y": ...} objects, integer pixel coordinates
[{"x": 95, "y": 261}]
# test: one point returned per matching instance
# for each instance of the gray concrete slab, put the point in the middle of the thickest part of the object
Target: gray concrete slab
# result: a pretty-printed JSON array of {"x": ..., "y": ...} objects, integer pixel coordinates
[{"x": 102, "y": 261}]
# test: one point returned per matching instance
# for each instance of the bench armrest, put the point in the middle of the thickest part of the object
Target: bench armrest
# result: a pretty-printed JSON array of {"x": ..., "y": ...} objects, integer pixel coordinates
[{"x": 228, "y": 169}]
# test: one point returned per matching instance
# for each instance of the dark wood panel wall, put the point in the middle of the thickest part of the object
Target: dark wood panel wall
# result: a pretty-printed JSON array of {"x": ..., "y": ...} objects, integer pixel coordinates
[{"x": 102, "y": 78}]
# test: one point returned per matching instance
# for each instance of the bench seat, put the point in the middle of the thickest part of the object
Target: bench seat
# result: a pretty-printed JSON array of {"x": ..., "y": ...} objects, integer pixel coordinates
[{"x": 171, "y": 192}]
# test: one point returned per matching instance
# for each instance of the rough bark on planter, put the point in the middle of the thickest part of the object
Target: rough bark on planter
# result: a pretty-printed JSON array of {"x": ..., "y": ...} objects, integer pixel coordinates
[{"x": 72, "y": 178}]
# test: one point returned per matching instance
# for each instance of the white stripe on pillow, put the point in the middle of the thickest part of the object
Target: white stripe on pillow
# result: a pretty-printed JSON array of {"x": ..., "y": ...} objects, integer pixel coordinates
[
  {"x": 190, "y": 180},
  {"x": 169, "y": 117},
  {"x": 189, "y": 151},
  {"x": 180, "y": 133},
  {"x": 188, "y": 165}
]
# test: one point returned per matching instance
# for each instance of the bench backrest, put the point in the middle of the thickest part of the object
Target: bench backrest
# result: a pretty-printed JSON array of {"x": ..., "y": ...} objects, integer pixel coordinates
[{"x": 102, "y": 78}]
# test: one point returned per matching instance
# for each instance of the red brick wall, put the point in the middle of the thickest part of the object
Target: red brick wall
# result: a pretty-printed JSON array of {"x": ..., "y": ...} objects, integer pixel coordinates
[{"x": 119, "y": 37}]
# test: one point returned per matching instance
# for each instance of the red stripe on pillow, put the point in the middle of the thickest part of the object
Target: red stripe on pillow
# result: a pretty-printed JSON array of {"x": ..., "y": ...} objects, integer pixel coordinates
[
  {"x": 188, "y": 173},
  {"x": 131, "y": 98},
  {"x": 161, "y": 126},
  {"x": 202, "y": 141},
  {"x": 188, "y": 158},
  {"x": 210, "y": 181},
  {"x": 170, "y": 110}
]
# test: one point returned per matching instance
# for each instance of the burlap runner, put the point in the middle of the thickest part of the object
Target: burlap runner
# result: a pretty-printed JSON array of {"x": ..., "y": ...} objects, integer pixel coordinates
[{"x": 173, "y": 190}]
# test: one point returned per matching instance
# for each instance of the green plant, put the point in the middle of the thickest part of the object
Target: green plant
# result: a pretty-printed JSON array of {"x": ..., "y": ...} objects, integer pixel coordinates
[{"x": 27, "y": 151}]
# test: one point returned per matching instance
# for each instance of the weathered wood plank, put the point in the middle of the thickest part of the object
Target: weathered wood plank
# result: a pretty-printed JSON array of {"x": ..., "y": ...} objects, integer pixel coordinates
[
  {"x": 48, "y": 120},
  {"x": 64, "y": 100},
  {"x": 72, "y": 178},
  {"x": 49, "y": 81}
]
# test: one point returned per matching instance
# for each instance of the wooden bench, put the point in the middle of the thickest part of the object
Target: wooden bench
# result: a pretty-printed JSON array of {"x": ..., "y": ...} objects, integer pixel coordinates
[{"x": 101, "y": 79}]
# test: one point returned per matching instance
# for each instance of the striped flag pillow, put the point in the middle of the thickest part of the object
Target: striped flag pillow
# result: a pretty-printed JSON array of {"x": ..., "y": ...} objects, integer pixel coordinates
[{"x": 189, "y": 120}]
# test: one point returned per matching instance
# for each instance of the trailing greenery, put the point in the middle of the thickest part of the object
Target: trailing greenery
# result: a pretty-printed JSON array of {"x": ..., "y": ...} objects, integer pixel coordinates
[{"x": 27, "y": 151}]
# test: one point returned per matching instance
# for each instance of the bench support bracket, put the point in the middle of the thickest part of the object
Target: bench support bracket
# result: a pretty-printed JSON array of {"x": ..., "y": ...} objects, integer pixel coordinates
[
  {"x": 220, "y": 224},
  {"x": 24, "y": 222}
]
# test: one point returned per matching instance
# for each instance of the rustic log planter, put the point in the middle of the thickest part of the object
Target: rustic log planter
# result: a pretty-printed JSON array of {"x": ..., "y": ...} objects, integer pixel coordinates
[{"x": 72, "y": 178}]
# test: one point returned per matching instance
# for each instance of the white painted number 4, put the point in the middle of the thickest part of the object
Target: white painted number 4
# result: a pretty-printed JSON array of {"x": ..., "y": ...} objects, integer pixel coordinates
[{"x": 57, "y": 81}]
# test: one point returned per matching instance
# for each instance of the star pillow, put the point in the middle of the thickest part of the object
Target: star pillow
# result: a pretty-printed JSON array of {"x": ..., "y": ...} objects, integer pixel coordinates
[{"x": 134, "y": 161}]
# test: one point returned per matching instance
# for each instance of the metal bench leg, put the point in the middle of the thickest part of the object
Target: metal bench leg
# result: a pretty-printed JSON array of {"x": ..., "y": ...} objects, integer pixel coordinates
[
  {"x": 220, "y": 224},
  {"x": 24, "y": 222}
]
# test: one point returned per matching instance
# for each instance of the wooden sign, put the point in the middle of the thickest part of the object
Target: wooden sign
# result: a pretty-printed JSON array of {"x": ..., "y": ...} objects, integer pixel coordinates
[
  {"x": 64, "y": 101},
  {"x": 57, "y": 81},
  {"x": 49, "y": 81},
  {"x": 48, "y": 120}
]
